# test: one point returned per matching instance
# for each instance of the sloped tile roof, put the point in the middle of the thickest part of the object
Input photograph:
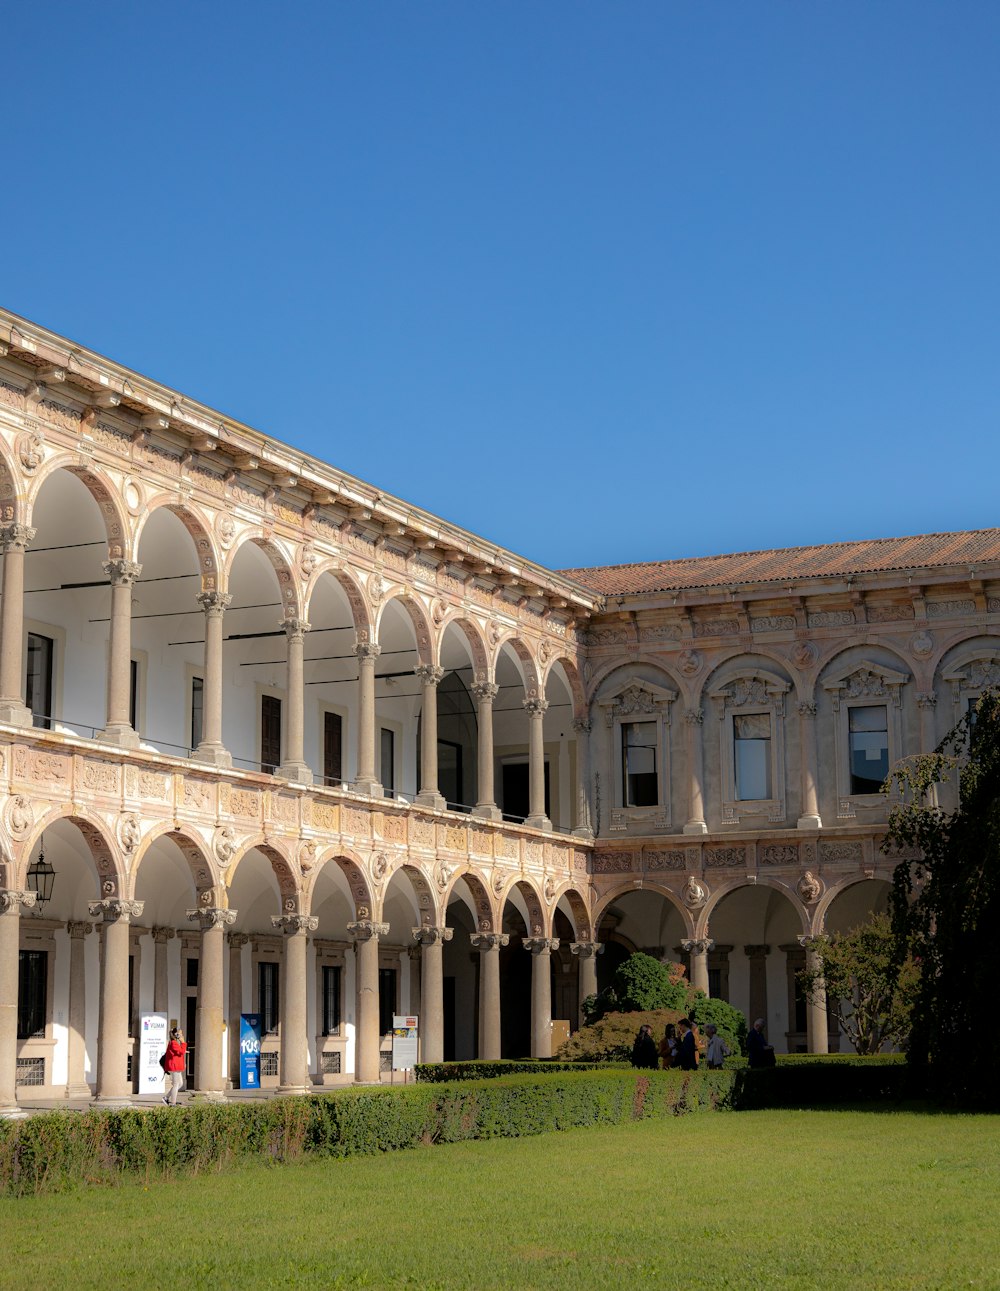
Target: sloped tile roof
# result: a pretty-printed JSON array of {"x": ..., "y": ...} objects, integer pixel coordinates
[{"x": 923, "y": 551}]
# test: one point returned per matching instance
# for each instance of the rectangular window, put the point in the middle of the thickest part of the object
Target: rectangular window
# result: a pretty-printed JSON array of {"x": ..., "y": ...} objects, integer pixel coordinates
[
  {"x": 639, "y": 778},
  {"x": 333, "y": 748},
  {"x": 267, "y": 996},
  {"x": 38, "y": 682},
  {"x": 133, "y": 693},
  {"x": 869, "y": 735},
  {"x": 32, "y": 989},
  {"x": 387, "y": 765},
  {"x": 386, "y": 999},
  {"x": 450, "y": 772},
  {"x": 331, "y": 999},
  {"x": 752, "y": 756},
  {"x": 197, "y": 710},
  {"x": 270, "y": 733}
]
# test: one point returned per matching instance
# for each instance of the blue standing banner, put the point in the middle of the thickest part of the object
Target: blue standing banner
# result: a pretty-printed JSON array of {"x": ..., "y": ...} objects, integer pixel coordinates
[{"x": 249, "y": 1051}]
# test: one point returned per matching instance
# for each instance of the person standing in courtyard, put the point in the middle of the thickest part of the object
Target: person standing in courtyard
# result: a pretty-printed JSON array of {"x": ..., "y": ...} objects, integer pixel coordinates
[
  {"x": 759, "y": 1052},
  {"x": 717, "y": 1050},
  {"x": 644, "y": 1049},
  {"x": 174, "y": 1066},
  {"x": 668, "y": 1046},
  {"x": 688, "y": 1047}
]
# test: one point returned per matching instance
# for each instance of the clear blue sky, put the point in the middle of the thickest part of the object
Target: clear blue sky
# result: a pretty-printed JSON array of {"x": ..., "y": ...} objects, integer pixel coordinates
[{"x": 660, "y": 279}]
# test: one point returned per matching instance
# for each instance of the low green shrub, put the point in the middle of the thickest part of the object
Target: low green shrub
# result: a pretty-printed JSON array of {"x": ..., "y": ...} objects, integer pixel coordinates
[
  {"x": 483, "y": 1069},
  {"x": 611, "y": 1039}
]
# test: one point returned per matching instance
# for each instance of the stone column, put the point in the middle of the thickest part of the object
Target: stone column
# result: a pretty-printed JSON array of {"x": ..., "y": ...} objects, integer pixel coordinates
[
  {"x": 208, "y": 1077},
  {"x": 757, "y": 956},
  {"x": 541, "y": 993},
  {"x": 14, "y": 542},
  {"x": 698, "y": 948},
  {"x": 810, "y": 818},
  {"x": 112, "y": 1032},
  {"x": 293, "y": 764},
  {"x": 536, "y": 709},
  {"x": 586, "y": 952},
  {"x": 161, "y": 980},
  {"x": 365, "y": 935},
  {"x": 367, "y": 782},
  {"x": 211, "y": 749},
  {"x": 430, "y": 794},
  {"x": 486, "y": 807},
  {"x": 413, "y": 954},
  {"x": 431, "y": 941},
  {"x": 696, "y": 773},
  {"x": 294, "y": 1041},
  {"x": 488, "y": 944},
  {"x": 583, "y": 827},
  {"x": 76, "y": 1079},
  {"x": 118, "y": 723},
  {"x": 10, "y": 944},
  {"x": 927, "y": 702},
  {"x": 817, "y": 1022},
  {"x": 236, "y": 941}
]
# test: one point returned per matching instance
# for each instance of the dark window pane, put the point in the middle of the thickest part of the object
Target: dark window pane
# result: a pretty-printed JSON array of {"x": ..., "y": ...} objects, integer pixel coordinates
[
  {"x": 267, "y": 996},
  {"x": 450, "y": 772},
  {"x": 197, "y": 710},
  {"x": 752, "y": 756},
  {"x": 333, "y": 745},
  {"x": 869, "y": 747},
  {"x": 386, "y": 999},
  {"x": 270, "y": 733},
  {"x": 331, "y": 999},
  {"x": 32, "y": 986},
  {"x": 133, "y": 692},
  {"x": 38, "y": 680},
  {"x": 639, "y": 764},
  {"x": 387, "y": 765}
]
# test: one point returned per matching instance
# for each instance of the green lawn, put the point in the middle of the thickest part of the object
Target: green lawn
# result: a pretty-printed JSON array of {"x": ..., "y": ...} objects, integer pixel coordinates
[{"x": 752, "y": 1199}]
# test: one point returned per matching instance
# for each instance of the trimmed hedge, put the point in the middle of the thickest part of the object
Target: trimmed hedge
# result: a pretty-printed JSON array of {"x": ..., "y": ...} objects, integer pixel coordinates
[
  {"x": 482, "y": 1069},
  {"x": 55, "y": 1151}
]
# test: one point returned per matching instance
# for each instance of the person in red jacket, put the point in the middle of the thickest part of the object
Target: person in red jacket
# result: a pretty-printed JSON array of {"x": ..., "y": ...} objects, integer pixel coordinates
[{"x": 174, "y": 1066}]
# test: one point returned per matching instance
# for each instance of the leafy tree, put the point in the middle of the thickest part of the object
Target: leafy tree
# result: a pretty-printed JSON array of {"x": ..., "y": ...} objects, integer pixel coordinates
[
  {"x": 640, "y": 983},
  {"x": 729, "y": 1021},
  {"x": 867, "y": 988},
  {"x": 946, "y": 902}
]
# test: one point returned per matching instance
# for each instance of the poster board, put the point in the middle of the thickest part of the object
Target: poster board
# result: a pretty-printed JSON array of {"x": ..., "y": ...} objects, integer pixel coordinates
[
  {"x": 154, "y": 1034},
  {"x": 404, "y": 1041}
]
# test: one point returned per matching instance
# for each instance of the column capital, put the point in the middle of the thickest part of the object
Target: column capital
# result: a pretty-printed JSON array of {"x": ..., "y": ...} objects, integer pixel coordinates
[
  {"x": 697, "y": 945},
  {"x": 367, "y": 930},
  {"x": 485, "y": 690},
  {"x": 11, "y": 900},
  {"x": 162, "y": 935},
  {"x": 115, "y": 909},
  {"x": 586, "y": 949},
  {"x": 807, "y": 709},
  {"x": 694, "y": 716},
  {"x": 214, "y": 603},
  {"x": 293, "y": 923},
  {"x": 540, "y": 945},
  {"x": 294, "y": 627},
  {"x": 431, "y": 936},
  {"x": 757, "y": 951},
  {"x": 237, "y": 940},
  {"x": 582, "y": 725},
  {"x": 537, "y": 706},
  {"x": 79, "y": 927},
  {"x": 809, "y": 942},
  {"x": 16, "y": 537},
  {"x": 429, "y": 673},
  {"x": 927, "y": 699},
  {"x": 122, "y": 573},
  {"x": 212, "y": 917},
  {"x": 367, "y": 652},
  {"x": 489, "y": 940}
]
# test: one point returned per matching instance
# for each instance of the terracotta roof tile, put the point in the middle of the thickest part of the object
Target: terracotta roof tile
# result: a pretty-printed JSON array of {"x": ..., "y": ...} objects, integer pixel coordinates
[{"x": 838, "y": 559}]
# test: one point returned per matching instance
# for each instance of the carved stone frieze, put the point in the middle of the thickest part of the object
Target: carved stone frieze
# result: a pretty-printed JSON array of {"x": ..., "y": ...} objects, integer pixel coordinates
[
  {"x": 778, "y": 854},
  {"x": 834, "y": 851}
]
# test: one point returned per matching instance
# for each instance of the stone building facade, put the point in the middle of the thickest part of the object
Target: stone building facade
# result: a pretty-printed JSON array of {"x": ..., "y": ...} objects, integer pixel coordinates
[{"x": 293, "y": 746}]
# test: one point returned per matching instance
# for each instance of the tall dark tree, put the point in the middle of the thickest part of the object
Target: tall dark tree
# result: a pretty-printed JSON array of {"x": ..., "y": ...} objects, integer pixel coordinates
[{"x": 946, "y": 902}]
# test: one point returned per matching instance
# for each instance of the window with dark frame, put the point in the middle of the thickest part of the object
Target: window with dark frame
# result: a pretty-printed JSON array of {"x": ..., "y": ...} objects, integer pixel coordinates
[
  {"x": 38, "y": 679},
  {"x": 387, "y": 763},
  {"x": 386, "y": 999},
  {"x": 752, "y": 756},
  {"x": 270, "y": 733},
  {"x": 133, "y": 693},
  {"x": 197, "y": 710},
  {"x": 639, "y": 777},
  {"x": 267, "y": 996},
  {"x": 32, "y": 993},
  {"x": 333, "y": 748},
  {"x": 331, "y": 999},
  {"x": 869, "y": 747}
]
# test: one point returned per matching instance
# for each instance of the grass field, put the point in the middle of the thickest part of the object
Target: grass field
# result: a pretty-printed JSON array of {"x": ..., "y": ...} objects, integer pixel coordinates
[{"x": 748, "y": 1200}]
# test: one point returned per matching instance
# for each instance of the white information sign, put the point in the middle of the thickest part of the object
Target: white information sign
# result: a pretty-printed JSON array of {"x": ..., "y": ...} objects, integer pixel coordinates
[
  {"x": 153, "y": 1039},
  {"x": 404, "y": 1041}
]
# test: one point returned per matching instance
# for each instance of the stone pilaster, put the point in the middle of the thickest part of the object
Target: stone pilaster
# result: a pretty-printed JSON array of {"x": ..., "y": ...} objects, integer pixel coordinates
[
  {"x": 161, "y": 979},
  {"x": 10, "y": 937},
  {"x": 817, "y": 1021},
  {"x": 810, "y": 818},
  {"x": 695, "y": 823},
  {"x": 757, "y": 955},
  {"x": 123, "y": 575},
  {"x": 294, "y": 1042},
  {"x": 235, "y": 941},
  {"x": 698, "y": 948},
  {"x": 76, "y": 1078},
  {"x": 586, "y": 953},
  {"x": 583, "y": 827},
  {"x": 431, "y": 942},
  {"x": 365, "y": 934},
  {"x": 15, "y": 539}
]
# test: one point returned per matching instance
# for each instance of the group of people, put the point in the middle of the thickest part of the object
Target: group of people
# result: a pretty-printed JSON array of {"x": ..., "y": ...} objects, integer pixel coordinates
[{"x": 679, "y": 1047}]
